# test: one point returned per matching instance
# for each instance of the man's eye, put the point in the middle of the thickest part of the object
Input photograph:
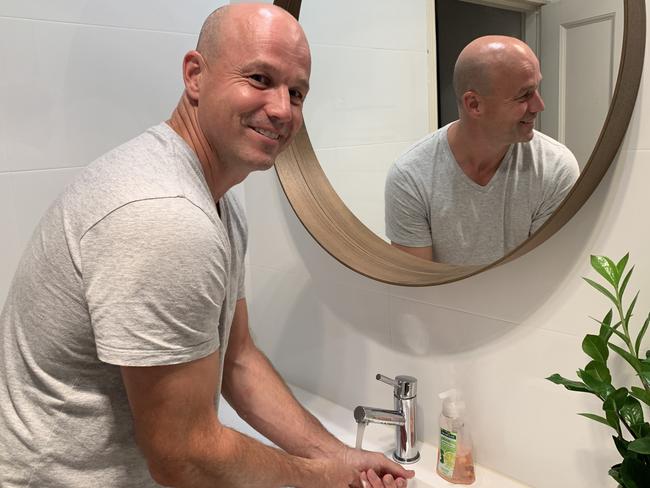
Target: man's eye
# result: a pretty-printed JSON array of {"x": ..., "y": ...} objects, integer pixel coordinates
[
  {"x": 260, "y": 79},
  {"x": 296, "y": 95}
]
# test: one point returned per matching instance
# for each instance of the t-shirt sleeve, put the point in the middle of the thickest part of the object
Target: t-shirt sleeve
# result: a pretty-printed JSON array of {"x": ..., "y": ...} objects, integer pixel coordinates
[
  {"x": 557, "y": 185},
  {"x": 406, "y": 216},
  {"x": 154, "y": 274}
]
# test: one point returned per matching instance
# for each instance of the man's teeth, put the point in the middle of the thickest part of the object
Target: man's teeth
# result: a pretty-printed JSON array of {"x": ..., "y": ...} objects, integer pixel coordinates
[{"x": 270, "y": 135}]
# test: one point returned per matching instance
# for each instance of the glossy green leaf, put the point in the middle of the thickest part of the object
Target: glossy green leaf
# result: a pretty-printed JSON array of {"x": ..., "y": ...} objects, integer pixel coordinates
[
  {"x": 645, "y": 364},
  {"x": 645, "y": 375},
  {"x": 639, "y": 338},
  {"x": 634, "y": 362},
  {"x": 620, "y": 266},
  {"x": 641, "y": 394},
  {"x": 606, "y": 332},
  {"x": 605, "y": 268},
  {"x": 568, "y": 384},
  {"x": 613, "y": 420},
  {"x": 600, "y": 371},
  {"x": 623, "y": 286},
  {"x": 628, "y": 315},
  {"x": 634, "y": 473},
  {"x": 602, "y": 289},
  {"x": 597, "y": 418},
  {"x": 644, "y": 429},
  {"x": 615, "y": 472},
  {"x": 595, "y": 384},
  {"x": 642, "y": 446},
  {"x": 616, "y": 400},
  {"x": 621, "y": 445},
  {"x": 632, "y": 412},
  {"x": 605, "y": 326},
  {"x": 595, "y": 347}
]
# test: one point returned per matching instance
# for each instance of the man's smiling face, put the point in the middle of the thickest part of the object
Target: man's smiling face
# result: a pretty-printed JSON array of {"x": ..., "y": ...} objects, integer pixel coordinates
[{"x": 252, "y": 92}]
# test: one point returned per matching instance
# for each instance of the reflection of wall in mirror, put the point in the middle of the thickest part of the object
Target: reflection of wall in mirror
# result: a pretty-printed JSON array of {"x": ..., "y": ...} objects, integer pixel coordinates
[{"x": 368, "y": 98}]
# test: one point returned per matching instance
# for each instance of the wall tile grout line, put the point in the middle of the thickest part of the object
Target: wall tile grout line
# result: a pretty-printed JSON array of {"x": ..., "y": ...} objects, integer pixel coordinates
[
  {"x": 40, "y": 170},
  {"x": 368, "y": 48},
  {"x": 101, "y": 26}
]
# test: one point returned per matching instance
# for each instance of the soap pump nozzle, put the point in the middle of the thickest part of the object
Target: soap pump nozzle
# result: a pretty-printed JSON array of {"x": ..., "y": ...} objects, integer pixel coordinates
[{"x": 452, "y": 406}]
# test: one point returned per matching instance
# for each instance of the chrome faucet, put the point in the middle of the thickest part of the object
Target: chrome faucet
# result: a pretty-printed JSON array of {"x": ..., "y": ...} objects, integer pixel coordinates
[{"x": 403, "y": 417}]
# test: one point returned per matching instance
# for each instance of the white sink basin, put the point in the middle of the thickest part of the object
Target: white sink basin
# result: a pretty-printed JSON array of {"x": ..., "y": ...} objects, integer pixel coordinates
[{"x": 340, "y": 422}]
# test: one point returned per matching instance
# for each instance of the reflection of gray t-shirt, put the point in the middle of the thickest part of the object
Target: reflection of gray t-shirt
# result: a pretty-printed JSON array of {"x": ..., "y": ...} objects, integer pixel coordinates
[
  {"x": 431, "y": 202},
  {"x": 131, "y": 266}
]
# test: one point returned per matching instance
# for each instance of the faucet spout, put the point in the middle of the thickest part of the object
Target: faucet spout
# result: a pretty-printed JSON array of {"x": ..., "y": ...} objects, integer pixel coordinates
[
  {"x": 367, "y": 415},
  {"x": 402, "y": 417}
]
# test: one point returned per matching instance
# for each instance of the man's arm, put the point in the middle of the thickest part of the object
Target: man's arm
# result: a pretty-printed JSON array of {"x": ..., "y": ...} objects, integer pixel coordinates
[
  {"x": 420, "y": 252},
  {"x": 179, "y": 433},
  {"x": 260, "y": 396}
]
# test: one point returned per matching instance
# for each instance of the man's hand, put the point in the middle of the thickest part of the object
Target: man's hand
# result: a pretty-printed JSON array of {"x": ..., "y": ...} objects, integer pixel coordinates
[{"x": 376, "y": 470}]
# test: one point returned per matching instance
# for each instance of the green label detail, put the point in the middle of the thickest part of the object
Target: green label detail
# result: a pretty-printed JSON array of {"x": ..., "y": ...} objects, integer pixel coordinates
[{"x": 447, "y": 458}]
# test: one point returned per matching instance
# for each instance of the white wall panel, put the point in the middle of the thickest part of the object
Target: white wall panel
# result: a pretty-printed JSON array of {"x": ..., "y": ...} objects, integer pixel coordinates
[
  {"x": 82, "y": 90},
  {"x": 163, "y": 15}
]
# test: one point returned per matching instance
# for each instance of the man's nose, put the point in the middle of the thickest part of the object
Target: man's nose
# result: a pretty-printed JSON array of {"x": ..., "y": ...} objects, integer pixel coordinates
[
  {"x": 279, "y": 105},
  {"x": 536, "y": 104}
]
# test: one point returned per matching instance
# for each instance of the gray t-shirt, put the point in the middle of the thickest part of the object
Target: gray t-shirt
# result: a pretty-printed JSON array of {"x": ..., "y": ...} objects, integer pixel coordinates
[
  {"x": 131, "y": 266},
  {"x": 430, "y": 201}
]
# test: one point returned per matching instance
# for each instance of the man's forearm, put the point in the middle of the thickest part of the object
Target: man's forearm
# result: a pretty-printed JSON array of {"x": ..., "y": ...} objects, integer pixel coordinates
[
  {"x": 261, "y": 397},
  {"x": 225, "y": 458}
]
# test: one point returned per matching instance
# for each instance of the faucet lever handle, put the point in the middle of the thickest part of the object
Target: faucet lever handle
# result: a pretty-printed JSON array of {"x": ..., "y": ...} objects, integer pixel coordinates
[
  {"x": 386, "y": 379},
  {"x": 405, "y": 386}
]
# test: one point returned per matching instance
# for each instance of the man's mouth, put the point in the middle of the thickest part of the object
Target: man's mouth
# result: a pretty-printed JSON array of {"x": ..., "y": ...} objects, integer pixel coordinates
[{"x": 267, "y": 133}]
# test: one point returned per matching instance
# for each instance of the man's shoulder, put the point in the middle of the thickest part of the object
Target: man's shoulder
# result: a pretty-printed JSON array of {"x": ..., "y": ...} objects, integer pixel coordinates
[
  {"x": 543, "y": 142},
  {"x": 151, "y": 166},
  {"x": 543, "y": 149},
  {"x": 422, "y": 150},
  {"x": 549, "y": 158}
]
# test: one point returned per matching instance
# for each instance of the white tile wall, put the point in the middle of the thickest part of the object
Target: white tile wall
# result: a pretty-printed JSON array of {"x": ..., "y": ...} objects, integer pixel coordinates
[
  {"x": 161, "y": 15},
  {"x": 84, "y": 90}
]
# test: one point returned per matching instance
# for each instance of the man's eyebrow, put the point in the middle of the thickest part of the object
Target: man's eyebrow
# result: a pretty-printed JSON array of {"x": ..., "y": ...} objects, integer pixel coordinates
[
  {"x": 528, "y": 88},
  {"x": 269, "y": 68}
]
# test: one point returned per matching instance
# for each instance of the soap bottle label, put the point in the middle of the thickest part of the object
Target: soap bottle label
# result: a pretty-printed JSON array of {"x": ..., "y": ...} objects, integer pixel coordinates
[{"x": 447, "y": 456}]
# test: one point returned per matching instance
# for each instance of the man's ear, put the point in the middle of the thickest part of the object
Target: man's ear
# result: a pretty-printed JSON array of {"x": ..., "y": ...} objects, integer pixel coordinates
[
  {"x": 472, "y": 104},
  {"x": 193, "y": 67}
]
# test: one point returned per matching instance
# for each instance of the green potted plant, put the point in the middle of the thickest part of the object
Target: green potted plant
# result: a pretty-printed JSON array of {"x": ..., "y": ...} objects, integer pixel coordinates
[{"x": 622, "y": 407}]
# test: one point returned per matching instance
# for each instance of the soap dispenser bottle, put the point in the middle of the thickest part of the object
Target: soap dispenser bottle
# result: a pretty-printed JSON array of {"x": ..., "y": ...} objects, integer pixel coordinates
[{"x": 455, "y": 461}]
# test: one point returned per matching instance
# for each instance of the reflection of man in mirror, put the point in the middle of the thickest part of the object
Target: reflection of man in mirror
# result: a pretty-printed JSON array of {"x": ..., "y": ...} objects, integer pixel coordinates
[{"x": 476, "y": 188}]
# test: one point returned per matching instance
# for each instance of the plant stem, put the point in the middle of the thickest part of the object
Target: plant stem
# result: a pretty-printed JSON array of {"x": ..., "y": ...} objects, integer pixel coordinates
[{"x": 628, "y": 339}]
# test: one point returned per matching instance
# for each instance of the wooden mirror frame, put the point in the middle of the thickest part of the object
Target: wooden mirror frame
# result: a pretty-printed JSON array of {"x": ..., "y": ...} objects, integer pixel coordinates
[{"x": 348, "y": 240}]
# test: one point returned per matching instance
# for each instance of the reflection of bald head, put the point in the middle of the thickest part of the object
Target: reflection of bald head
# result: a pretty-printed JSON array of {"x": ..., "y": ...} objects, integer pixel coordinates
[
  {"x": 235, "y": 21},
  {"x": 482, "y": 60}
]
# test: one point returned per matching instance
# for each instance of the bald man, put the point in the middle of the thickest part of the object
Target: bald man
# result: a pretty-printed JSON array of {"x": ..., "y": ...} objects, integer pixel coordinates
[
  {"x": 473, "y": 190},
  {"x": 127, "y": 315}
]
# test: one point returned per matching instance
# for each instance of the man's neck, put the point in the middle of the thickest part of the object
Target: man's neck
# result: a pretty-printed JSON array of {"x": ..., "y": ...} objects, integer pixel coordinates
[
  {"x": 477, "y": 156},
  {"x": 184, "y": 122}
]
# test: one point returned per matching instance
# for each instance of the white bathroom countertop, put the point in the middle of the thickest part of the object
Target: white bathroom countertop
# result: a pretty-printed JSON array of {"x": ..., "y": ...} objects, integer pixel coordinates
[{"x": 340, "y": 422}]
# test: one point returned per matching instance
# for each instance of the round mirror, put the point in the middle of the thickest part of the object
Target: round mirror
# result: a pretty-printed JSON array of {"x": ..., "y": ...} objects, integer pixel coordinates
[{"x": 392, "y": 87}]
